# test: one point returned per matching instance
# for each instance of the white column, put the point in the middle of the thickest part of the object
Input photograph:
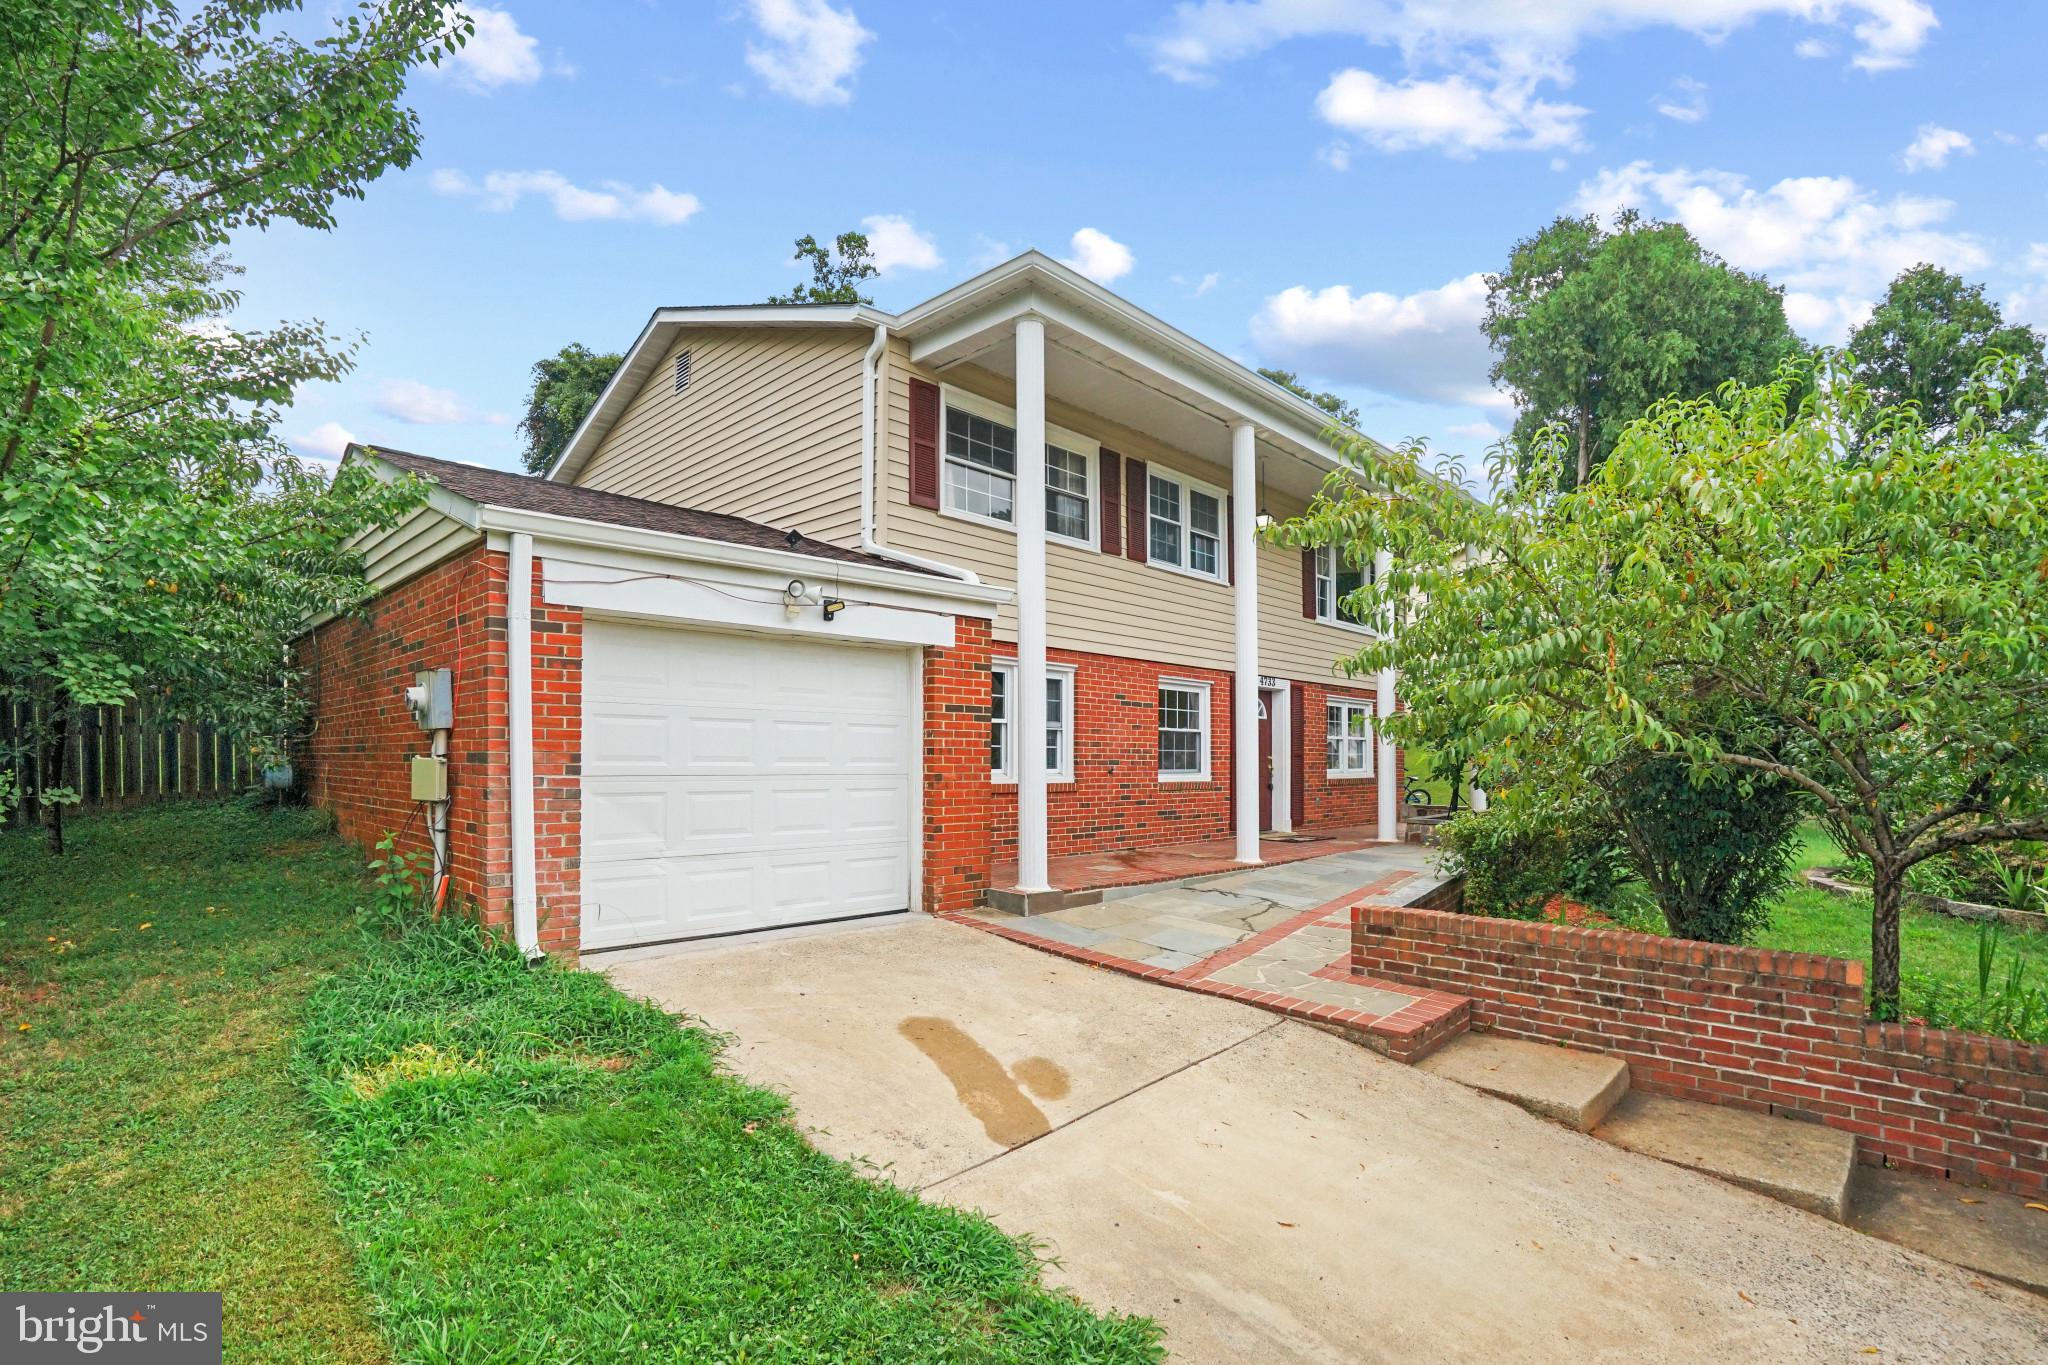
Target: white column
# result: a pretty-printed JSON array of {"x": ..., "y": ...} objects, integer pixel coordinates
[
  {"x": 1390, "y": 796},
  {"x": 1244, "y": 725},
  {"x": 1479, "y": 800},
  {"x": 1028, "y": 706},
  {"x": 519, "y": 738}
]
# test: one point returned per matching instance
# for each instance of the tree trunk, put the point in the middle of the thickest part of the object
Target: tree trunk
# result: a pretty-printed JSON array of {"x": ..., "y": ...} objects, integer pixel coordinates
[
  {"x": 1887, "y": 890},
  {"x": 1585, "y": 451},
  {"x": 56, "y": 763}
]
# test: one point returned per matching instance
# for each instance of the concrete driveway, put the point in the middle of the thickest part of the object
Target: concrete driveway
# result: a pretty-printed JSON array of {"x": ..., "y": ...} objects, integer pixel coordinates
[{"x": 1270, "y": 1192}]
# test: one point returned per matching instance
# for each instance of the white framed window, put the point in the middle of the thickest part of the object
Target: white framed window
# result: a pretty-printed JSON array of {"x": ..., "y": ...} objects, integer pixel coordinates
[
  {"x": 1183, "y": 731},
  {"x": 1336, "y": 579},
  {"x": 1059, "y": 723},
  {"x": 1184, "y": 525},
  {"x": 1347, "y": 738},
  {"x": 978, "y": 470}
]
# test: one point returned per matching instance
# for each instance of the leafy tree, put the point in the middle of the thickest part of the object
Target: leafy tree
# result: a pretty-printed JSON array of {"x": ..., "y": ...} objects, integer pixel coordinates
[
  {"x": 1339, "y": 410},
  {"x": 566, "y": 386},
  {"x": 152, "y": 526},
  {"x": 1590, "y": 327},
  {"x": 836, "y": 270},
  {"x": 1776, "y": 584},
  {"x": 1930, "y": 334}
]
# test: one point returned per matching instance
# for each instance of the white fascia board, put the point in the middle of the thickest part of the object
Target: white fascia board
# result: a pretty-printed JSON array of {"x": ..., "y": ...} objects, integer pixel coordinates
[
  {"x": 451, "y": 505},
  {"x": 653, "y": 342},
  {"x": 564, "y": 534},
  {"x": 1131, "y": 332},
  {"x": 734, "y": 597}
]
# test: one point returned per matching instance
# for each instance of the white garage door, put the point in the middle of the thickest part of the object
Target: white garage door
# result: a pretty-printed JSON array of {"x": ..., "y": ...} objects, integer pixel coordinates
[{"x": 735, "y": 782}]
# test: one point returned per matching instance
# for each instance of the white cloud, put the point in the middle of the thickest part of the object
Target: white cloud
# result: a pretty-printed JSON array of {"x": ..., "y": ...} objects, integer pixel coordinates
[
  {"x": 989, "y": 252},
  {"x": 1933, "y": 145},
  {"x": 1452, "y": 114},
  {"x": 497, "y": 53},
  {"x": 1685, "y": 100},
  {"x": 810, "y": 50},
  {"x": 1208, "y": 282},
  {"x": 1514, "y": 35},
  {"x": 1099, "y": 256},
  {"x": 2029, "y": 303},
  {"x": 895, "y": 244},
  {"x": 408, "y": 400},
  {"x": 329, "y": 439},
  {"x": 1813, "y": 49},
  {"x": 1476, "y": 431},
  {"x": 1335, "y": 155},
  {"x": 1425, "y": 346},
  {"x": 1833, "y": 244},
  {"x": 501, "y": 191}
]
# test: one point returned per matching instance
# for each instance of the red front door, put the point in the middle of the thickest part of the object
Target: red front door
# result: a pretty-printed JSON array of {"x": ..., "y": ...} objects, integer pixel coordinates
[{"x": 1265, "y": 763}]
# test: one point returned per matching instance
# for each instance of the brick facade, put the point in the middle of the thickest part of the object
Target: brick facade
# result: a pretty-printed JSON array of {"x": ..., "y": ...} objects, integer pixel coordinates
[
  {"x": 1777, "y": 1032},
  {"x": 1320, "y": 799},
  {"x": 454, "y": 616},
  {"x": 356, "y": 669}
]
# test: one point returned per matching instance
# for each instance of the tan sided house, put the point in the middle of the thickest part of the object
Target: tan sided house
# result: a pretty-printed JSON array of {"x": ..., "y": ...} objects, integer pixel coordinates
[{"x": 827, "y": 612}]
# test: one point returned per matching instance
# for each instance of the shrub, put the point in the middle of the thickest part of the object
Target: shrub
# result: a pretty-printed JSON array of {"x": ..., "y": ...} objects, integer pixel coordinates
[
  {"x": 1513, "y": 860},
  {"x": 1714, "y": 854}
]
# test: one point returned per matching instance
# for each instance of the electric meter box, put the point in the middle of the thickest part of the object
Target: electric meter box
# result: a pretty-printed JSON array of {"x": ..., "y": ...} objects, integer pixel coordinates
[
  {"x": 431, "y": 698},
  {"x": 429, "y": 778}
]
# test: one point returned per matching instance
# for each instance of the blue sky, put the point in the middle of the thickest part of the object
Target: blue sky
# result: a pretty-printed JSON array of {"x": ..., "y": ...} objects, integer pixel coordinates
[{"x": 1309, "y": 183}]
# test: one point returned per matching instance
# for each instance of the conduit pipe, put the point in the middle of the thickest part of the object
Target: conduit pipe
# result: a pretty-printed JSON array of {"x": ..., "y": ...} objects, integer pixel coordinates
[{"x": 868, "y": 366}]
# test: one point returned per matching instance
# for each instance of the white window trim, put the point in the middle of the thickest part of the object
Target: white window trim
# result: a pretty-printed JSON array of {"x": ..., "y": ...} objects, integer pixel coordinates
[
  {"x": 1204, "y": 771},
  {"x": 1186, "y": 484},
  {"x": 1351, "y": 704},
  {"x": 1086, "y": 447},
  {"x": 1326, "y": 572},
  {"x": 1007, "y": 774}
]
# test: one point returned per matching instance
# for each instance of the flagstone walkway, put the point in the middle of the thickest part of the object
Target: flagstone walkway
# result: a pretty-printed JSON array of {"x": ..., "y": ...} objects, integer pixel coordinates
[{"x": 1277, "y": 937}]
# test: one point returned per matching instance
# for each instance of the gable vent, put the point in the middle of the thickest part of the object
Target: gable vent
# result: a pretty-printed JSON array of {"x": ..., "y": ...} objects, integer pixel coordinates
[{"x": 682, "y": 371}]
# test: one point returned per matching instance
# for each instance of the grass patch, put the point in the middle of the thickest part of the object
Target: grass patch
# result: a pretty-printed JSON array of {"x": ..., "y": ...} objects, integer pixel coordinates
[
  {"x": 534, "y": 1167},
  {"x": 150, "y": 983}
]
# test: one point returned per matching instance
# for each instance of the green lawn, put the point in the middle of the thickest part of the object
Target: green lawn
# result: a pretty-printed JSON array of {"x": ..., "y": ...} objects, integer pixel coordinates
[
  {"x": 458, "y": 1158},
  {"x": 150, "y": 983}
]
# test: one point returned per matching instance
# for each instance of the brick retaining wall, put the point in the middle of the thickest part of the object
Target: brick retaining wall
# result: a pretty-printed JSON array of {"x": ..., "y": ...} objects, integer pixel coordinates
[{"x": 1778, "y": 1032}]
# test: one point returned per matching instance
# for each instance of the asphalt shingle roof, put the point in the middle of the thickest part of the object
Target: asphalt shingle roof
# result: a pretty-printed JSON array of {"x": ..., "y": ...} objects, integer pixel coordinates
[{"x": 526, "y": 493}]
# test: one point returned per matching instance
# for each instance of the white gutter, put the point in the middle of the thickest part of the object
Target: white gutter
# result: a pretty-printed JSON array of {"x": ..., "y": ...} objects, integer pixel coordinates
[
  {"x": 519, "y": 699},
  {"x": 867, "y": 470}
]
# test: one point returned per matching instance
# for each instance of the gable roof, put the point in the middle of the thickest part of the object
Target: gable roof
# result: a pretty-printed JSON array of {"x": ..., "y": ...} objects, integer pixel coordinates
[
  {"x": 1244, "y": 388},
  {"x": 526, "y": 493}
]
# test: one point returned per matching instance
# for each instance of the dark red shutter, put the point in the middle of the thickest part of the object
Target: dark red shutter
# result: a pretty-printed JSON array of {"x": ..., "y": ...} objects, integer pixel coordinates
[
  {"x": 1111, "y": 473},
  {"x": 924, "y": 444},
  {"x": 1229, "y": 538},
  {"x": 1308, "y": 583},
  {"x": 1134, "y": 509}
]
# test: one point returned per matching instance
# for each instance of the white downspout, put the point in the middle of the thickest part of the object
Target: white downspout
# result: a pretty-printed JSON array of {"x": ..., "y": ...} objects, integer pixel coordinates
[
  {"x": 519, "y": 700},
  {"x": 867, "y": 471},
  {"x": 1383, "y": 703}
]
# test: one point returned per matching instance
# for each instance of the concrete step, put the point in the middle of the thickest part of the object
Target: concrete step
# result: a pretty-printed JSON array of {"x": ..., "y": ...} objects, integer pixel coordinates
[
  {"x": 1985, "y": 1230},
  {"x": 1575, "y": 1088},
  {"x": 1803, "y": 1164}
]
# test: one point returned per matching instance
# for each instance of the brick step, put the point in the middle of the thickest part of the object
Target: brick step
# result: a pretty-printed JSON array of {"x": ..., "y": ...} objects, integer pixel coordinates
[
  {"x": 1802, "y": 1164},
  {"x": 1574, "y": 1088}
]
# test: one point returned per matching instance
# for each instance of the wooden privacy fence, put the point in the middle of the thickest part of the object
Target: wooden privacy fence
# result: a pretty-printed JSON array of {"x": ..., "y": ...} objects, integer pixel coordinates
[{"x": 124, "y": 756}]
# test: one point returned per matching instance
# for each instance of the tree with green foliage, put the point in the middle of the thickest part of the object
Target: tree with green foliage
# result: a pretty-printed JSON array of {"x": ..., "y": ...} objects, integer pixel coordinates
[
  {"x": 565, "y": 388},
  {"x": 1341, "y": 412},
  {"x": 1779, "y": 582},
  {"x": 836, "y": 270},
  {"x": 153, "y": 528},
  {"x": 1930, "y": 334},
  {"x": 1591, "y": 326}
]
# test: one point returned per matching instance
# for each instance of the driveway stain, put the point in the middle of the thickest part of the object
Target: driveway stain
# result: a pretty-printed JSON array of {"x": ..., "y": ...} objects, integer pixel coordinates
[{"x": 993, "y": 1095}]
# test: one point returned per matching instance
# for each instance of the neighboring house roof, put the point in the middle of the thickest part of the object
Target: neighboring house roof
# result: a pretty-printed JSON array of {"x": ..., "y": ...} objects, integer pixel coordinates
[
  {"x": 526, "y": 493},
  {"x": 1034, "y": 275}
]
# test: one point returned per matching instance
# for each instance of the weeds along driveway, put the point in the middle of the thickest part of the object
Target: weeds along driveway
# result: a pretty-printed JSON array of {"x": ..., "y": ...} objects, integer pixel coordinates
[{"x": 1268, "y": 1191}]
